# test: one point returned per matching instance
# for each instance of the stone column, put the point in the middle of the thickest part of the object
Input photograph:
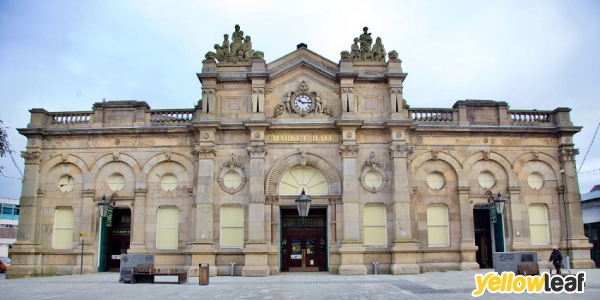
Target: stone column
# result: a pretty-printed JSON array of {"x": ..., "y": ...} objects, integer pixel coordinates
[
  {"x": 346, "y": 76},
  {"x": 138, "y": 232},
  {"x": 574, "y": 241},
  {"x": 258, "y": 76},
  {"x": 468, "y": 250},
  {"x": 87, "y": 227},
  {"x": 395, "y": 77},
  {"x": 404, "y": 259},
  {"x": 23, "y": 252}
]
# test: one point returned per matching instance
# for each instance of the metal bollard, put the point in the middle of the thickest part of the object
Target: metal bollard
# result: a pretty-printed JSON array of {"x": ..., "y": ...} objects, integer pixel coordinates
[
  {"x": 375, "y": 267},
  {"x": 232, "y": 268}
]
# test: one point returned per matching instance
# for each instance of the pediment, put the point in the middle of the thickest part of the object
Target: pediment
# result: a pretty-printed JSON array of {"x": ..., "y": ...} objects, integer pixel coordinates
[{"x": 302, "y": 58}]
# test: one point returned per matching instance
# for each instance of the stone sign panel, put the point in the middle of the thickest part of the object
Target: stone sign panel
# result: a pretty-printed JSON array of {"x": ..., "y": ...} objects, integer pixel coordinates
[
  {"x": 131, "y": 261},
  {"x": 510, "y": 261}
]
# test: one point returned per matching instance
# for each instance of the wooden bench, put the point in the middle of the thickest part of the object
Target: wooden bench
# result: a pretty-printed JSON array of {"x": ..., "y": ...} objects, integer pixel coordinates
[
  {"x": 528, "y": 269},
  {"x": 145, "y": 273}
]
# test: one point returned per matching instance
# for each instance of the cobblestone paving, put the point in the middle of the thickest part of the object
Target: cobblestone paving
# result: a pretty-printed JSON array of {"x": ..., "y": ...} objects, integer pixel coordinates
[{"x": 314, "y": 286}]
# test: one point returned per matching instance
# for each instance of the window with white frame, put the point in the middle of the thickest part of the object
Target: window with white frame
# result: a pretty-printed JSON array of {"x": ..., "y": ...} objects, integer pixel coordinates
[
  {"x": 437, "y": 226},
  {"x": 232, "y": 227},
  {"x": 167, "y": 232},
  {"x": 64, "y": 220},
  {"x": 374, "y": 230},
  {"x": 538, "y": 224}
]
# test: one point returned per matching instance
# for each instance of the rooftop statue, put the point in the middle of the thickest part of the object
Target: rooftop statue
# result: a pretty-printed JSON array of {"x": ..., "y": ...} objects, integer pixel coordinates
[
  {"x": 363, "y": 49},
  {"x": 239, "y": 50}
]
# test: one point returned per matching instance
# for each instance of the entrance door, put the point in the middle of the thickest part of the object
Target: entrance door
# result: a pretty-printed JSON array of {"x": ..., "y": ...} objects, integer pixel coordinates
[
  {"x": 483, "y": 237},
  {"x": 118, "y": 237},
  {"x": 303, "y": 242}
]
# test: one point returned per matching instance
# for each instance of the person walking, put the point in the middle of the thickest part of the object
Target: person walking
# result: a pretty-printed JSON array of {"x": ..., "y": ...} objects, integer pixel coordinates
[{"x": 556, "y": 259}]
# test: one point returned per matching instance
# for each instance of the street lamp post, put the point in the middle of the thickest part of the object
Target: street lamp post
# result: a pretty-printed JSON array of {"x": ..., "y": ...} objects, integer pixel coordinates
[
  {"x": 303, "y": 204},
  {"x": 497, "y": 204},
  {"x": 103, "y": 210}
]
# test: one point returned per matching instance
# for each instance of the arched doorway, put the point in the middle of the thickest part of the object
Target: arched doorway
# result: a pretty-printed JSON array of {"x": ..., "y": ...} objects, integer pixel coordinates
[{"x": 320, "y": 180}]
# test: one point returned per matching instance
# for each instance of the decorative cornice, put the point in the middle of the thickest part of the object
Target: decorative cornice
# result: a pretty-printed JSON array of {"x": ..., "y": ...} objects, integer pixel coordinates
[
  {"x": 372, "y": 162},
  {"x": 204, "y": 152},
  {"x": 349, "y": 151},
  {"x": 257, "y": 151},
  {"x": 403, "y": 151}
]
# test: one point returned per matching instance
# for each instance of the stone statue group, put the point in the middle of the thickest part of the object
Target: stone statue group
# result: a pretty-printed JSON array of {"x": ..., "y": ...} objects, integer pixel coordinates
[
  {"x": 362, "y": 50},
  {"x": 239, "y": 50}
]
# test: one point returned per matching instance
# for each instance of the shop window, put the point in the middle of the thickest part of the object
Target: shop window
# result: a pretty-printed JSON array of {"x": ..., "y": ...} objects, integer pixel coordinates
[
  {"x": 374, "y": 230},
  {"x": 167, "y": 234},
  {"x": 232, "y": 227},
  {"x": 64, "y": 220},
  {"x": 437, "y": 226}
]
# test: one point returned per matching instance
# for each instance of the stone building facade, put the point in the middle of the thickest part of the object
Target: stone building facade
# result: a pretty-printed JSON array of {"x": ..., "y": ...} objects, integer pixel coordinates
[{"x": 404, "y": 187}]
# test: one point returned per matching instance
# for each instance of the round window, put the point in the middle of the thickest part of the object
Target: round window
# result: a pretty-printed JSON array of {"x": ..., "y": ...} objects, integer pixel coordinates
[
  {"x": 373, "y": 179},
  {"x": 66, "y": 183},
  {"x": 232, "y": 180},
  {"x": 486, "y": 180},
  {"x": 168, "y": 182},
  {"x": 435, "y": 181},
  {"x": 116, "y": 182},
  {"x": 535, "y": 181}
]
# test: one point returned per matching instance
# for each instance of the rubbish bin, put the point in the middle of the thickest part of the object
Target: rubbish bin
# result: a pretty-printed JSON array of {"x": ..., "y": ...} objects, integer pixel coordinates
[{"x": 204, "y": 274}]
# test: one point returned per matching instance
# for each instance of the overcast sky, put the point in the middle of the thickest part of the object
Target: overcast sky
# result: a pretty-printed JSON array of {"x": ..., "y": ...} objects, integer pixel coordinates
[{"x": 67, "y": 55}]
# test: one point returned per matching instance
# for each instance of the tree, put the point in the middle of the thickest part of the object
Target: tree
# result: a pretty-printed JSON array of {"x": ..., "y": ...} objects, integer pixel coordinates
[{"x": 5, "y": 148}]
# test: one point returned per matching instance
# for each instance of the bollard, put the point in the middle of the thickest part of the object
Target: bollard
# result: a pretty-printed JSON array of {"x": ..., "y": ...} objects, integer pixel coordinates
[
  {"x": 375, "y": 267},
  {"x": 232, "y": 268},
  {"x": 204, "y": 274}
]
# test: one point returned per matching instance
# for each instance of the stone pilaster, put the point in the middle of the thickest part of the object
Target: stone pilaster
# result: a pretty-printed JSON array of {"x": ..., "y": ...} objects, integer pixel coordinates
[
  {"x": 346, "y": 76},
  {"x": 25, "y": 251},
  {"x": 256, "y": 250},
  {"x": 258, "y": 76},
  {"x": 514, "y": 209},
  {"x": 138, "y": 232},
  {"x": 203, "y": 250},
  {"x": 352, "y": 249},
  {"x": 574, "y": 239},
  {"x": 395, "y": 78},
  {"x": 404, "y": 260},
  {"x": 468, "y": 260}
]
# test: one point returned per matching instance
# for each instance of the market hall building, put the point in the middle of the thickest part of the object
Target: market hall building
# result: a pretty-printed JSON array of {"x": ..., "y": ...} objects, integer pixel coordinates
[{"x": 403, "y": 187}]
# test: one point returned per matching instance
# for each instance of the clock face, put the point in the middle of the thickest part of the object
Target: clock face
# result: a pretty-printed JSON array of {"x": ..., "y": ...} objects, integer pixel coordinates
[
  {"x": 66, "y": 183},
  {"x": 116, "y": 182},
  {"x": 303, "y": 103}
]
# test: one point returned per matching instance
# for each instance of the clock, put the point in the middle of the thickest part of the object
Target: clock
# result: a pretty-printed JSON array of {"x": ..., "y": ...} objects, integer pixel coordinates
[
  {"x": 303, "y": 104},
  {"x": 116, "y": 182},
  {"x": 66, "y": 183}
]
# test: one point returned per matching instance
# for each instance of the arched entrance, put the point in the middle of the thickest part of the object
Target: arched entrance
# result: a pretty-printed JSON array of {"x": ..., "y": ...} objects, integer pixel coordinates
[{"x": 304, "y": 241}]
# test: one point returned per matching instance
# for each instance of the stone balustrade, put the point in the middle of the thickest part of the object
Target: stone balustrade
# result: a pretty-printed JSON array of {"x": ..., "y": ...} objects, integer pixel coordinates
[
  {"x": 433, "y": 115},
  {"x": 171, "y": 115},
  {"x": 66, "y": 118},
  {"x": 531, "y": 117}
]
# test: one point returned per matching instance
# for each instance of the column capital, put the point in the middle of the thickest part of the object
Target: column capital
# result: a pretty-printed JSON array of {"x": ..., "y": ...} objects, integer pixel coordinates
[
  {"x": 464, "y": 190},
  {"x": 514, "y": 190},
  {"x": 257, "y": 151},
  {"x": 271, "y": 200},
  {"x": 140, "y": 192},
  {"x": 349, "y": 151},
  {"x": 204, "y": 152},
  {"x": 401, "y": 151},
  {"x": 88, "y": 193},
  {"x": 32, "y": 157},
  {"x": 567, "y": 153},
  {"x": 334, "y": 199}
]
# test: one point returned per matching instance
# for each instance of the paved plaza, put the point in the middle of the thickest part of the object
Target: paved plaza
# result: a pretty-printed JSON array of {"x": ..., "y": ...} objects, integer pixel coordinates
[{"x": 450, "y": 285}]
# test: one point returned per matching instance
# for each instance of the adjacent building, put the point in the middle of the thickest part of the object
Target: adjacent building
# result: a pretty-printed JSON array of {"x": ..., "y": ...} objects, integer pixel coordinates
[
  {"x": 404, "y": 187},
  {"x": 590, "y": 207},
  {"x": 9, "y": 221}
]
